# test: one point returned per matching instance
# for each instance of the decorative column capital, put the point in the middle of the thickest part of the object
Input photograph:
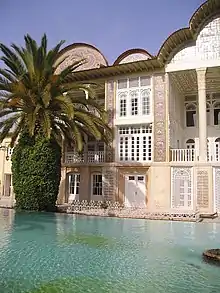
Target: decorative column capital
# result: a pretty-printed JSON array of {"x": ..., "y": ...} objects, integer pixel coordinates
[{"x": 201, "y": 75}]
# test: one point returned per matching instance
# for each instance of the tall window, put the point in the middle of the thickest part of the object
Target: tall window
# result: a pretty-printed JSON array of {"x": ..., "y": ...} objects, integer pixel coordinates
[
  {"x": 145, "y": 99},
  {"x": 97, "y": 184},
  {"x": 74, "y": 182},
  {"x": 123, "y": 104},
  {"x": 190, "y": 115},
  {"x": 134, "y": 103},
  {"x": 135, "y": 143},
  {"x": 134, "y": 97}
]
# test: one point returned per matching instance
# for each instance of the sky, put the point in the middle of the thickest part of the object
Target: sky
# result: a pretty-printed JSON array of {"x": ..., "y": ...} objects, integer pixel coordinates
[{"x": 111, "y": 26}]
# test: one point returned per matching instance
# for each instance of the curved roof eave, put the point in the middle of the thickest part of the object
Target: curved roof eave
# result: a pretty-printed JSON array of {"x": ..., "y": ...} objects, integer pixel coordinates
[
  {"x": 75, "y": 45},
  {"x": 178, "y": 38},
  {"x": 130, "y": 52}
]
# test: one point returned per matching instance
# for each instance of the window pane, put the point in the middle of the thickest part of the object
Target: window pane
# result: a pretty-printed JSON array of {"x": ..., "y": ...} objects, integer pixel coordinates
[
  {"x": 134, "y": 106},
  {"x": 145, "y": 102},
  {"x": 97, "y": 184},
  {"x": 135, "y": 143},
  {"x": 145, "y": 81},
  {"x": 134, "y": 103},
  {"x": 190, "y": 118},
  {"x": 74, "y": 183},
  {"x": 123, "y": 106},
  {"x": 91, "y": 147},
  {"x": 122, "y": 83},
  {"x": 216, "y": 116},
  {"x": 133, "y": 82}
]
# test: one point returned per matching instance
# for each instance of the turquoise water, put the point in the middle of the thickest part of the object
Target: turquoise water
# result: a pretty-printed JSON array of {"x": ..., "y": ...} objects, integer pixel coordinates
[{"x": 57, "y": 253}]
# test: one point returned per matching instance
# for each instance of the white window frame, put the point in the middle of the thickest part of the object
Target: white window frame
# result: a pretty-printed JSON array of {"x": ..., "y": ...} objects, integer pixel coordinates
[
  {"x": 75, "y": 183},
  {"x": 123, "y": 97},
  {"x": 128, "y": 137},
  {"x": 139, "y": 90},
  {"x": 93, "y": 196}
]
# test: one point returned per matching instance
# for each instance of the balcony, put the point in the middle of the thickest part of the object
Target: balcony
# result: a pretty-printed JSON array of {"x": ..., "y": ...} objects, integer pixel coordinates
[
  {"x": 91, "y": 157},
  {"x": 191, "y": 155},
  {"x": 183, "y": 155}
]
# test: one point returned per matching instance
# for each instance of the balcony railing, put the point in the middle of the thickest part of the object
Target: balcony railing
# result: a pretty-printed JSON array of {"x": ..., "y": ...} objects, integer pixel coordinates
[
  {"x": 92, "y": 157},
  {"x": 191, "y": 155},
  {"x": 183, "y": 155}
]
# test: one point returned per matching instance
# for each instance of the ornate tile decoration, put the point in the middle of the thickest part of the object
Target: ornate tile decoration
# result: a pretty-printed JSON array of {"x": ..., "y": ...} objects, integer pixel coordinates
[
  {"x": 109, "y": 182},
  {"x": 134, "y": 57},
  {"x": 217, "y": 189},
  {"x": 185, "y": 81},
  {"x": 202, "y": 186},
  {"x": 111, "y": 112},
  {"x": 206, "y": 46},
  {"x": 93, "y": 58},
  {"x": 159, "y": 119},
  {"x": 110, "y": 101}
]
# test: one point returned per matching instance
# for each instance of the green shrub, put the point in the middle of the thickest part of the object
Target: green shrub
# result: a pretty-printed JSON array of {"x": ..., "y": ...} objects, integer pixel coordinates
[{"x": 36, "y": 173}]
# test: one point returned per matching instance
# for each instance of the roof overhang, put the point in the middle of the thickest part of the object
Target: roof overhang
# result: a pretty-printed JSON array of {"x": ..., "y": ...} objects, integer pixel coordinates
[
  {"x": 174, "y": 42},
  {"x": 116, "y": 70}
]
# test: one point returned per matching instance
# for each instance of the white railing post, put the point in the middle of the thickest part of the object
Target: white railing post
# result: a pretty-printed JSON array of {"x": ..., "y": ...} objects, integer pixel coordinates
[{"x": 183, "y": 155}]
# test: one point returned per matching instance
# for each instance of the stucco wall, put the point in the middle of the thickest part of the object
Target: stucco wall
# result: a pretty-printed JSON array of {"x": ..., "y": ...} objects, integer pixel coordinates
[{"x": 160, "y": 193}]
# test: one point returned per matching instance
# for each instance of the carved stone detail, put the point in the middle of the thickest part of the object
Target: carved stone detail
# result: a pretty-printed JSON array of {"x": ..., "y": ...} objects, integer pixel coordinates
[
  {"x": 109, "y": 182},
  {"x": 110, "y": 101},
  {"x": 159, "y": 119},
  {"x": 202, "y": 185},
  {"x": 93, "y": 58}
]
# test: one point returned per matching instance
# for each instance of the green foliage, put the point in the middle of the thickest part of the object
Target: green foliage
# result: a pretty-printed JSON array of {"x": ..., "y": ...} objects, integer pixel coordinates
[
  {"x": 35, "y": 94},
  {"x": 36, "y": 169}
]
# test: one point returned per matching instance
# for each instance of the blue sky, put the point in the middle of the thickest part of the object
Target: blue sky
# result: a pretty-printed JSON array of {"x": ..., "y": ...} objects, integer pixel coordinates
[{"x": 113, "y": 26}]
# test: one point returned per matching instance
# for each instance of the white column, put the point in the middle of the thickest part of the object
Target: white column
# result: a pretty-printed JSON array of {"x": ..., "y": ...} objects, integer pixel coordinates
[{"x": 201, "y": 78}]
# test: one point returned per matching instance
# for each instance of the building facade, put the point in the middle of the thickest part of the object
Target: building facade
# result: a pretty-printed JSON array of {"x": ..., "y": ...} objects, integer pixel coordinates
[{"x": 165, "y": 113}]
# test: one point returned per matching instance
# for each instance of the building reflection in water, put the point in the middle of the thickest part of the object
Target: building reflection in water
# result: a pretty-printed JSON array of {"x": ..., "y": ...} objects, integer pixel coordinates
[{"x": 6, "y": 224}]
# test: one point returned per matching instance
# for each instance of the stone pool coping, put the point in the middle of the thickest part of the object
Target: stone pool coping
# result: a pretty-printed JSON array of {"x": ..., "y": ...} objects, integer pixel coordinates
[
  {"x": 212, "y": 255},
  {"x": 136, "y": 214}
]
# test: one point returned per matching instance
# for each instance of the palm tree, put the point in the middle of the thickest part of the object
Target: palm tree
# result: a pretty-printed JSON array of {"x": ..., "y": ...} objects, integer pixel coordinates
[{"x": 37, "y": 102}]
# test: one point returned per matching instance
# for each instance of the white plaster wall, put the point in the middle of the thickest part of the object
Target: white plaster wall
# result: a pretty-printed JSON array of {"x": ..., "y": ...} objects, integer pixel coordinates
[{"x": 160, "y": 192}]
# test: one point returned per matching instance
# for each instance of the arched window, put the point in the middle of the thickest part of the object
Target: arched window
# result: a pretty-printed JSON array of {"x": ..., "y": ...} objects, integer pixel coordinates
[
  {"x": 134, "y": 103},
  {"x": 217, "y": 149},
  {"x": 190, "y": 145},
  {"x": 190, "y": 115},
  {"x": 123, "y": 104},
  {"x": 217, "y": 113},
  {"x": 145, "y": 97}
]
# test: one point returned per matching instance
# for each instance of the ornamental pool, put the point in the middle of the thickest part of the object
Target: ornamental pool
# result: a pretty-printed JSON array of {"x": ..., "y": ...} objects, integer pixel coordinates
[{"x": 58, "y": 253}]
